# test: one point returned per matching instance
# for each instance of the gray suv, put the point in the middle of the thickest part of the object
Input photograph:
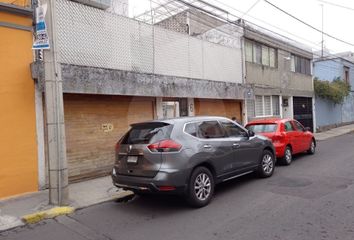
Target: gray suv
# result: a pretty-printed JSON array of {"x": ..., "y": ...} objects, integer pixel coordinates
[{"x": 189, "y": 156}]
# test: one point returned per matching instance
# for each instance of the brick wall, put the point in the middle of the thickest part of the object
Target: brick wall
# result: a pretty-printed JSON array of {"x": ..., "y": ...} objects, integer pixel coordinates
[{"x": 90, "y": 142}]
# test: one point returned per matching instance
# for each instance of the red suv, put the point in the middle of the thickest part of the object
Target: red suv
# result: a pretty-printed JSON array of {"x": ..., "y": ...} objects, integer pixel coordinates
[{"x": 288, "y": 136}]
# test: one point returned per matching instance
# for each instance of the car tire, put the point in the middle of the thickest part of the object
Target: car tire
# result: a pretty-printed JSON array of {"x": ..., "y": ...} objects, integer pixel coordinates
[
  {"x": 312, "y": 148},
  {"x": 267, "y": 164},
  {"x": 288, "y": 156},
  {"x": 200, "y": 188}
]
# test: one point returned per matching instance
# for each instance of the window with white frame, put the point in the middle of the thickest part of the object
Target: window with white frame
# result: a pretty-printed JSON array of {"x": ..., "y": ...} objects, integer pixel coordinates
[
  {"x": 275, "y": 105},
  {"x": 259, "y": 106},
  {"x": 265, "y": 106},
  {"x": 250, "y": 108}
]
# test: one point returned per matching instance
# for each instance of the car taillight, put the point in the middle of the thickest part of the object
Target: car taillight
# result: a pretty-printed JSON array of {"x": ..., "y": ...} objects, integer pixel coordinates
[
  {"x": 165, "y": 146},
  {"x": 278, "y": 137}
]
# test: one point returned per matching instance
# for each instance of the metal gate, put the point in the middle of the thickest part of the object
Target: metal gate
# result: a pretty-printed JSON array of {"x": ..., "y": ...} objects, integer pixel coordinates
[{"x": 303, "y": 111}]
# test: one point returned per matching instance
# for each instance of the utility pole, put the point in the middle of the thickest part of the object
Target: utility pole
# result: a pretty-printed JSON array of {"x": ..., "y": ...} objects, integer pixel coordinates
[
  {"x": 57, "y": 162},
  {"x": 322, "y": 42}
]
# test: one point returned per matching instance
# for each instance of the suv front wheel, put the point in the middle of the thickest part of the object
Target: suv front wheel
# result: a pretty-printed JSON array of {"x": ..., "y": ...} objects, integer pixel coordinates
[
  {"x": 266, "y": 167},
  {"x": 201, "y": 187}
]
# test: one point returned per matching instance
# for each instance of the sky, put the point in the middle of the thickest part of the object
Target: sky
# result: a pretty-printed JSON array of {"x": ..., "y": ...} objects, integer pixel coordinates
[{"x": 337, "y": 21}]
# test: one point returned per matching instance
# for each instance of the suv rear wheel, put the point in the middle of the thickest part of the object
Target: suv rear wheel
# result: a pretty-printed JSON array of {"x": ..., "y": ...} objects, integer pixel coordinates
[{"x": 201, "y": 187}]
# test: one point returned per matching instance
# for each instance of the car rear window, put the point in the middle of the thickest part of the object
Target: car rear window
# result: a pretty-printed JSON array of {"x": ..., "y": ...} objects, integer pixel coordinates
[
  {"x": 145, "y": 133},
  {"x": 263, "y": 128}
]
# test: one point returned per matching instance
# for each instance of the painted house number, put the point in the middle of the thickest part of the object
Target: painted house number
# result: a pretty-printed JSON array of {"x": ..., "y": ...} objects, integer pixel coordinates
[{"x": 107, "y": 127}]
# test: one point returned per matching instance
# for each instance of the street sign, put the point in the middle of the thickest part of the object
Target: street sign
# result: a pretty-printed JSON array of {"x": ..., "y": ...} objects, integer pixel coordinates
[{"x": 41, "y": 35}]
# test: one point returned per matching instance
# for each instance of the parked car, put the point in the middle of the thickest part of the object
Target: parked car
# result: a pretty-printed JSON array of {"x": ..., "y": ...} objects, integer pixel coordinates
[
  {"x": 289, "y": 137},
  {"x": 189, "y": 156}
]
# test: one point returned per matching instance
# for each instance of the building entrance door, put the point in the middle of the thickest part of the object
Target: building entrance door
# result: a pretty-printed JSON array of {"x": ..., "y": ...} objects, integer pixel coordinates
[{"x": 303, "y": 111}]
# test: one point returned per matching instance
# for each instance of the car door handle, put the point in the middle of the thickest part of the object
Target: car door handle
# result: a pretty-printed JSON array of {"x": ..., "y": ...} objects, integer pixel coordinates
[
  {"x": 235, "y": 145},
  {"x": 207, "y": 146}
]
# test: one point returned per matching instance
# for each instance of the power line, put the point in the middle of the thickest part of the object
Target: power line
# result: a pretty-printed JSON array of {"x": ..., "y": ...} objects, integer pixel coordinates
[
  {"x": 248, "y": 10},
  {"x": 226, "y": 20},
  {"x": 243, "y": 13},
  {"x": 269, "y": 24},
  {"x": 310, "y": 26},
  {"x": 233, "y": 23},
  {"x": 278, "y": 34},
  {"x": 337, "y": 5}
]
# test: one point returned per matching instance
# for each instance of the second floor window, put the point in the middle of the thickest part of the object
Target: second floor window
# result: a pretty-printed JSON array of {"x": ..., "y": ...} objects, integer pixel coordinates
[
  {"x": 260, "y": 54},
  {"x": 300, "y": 64}
]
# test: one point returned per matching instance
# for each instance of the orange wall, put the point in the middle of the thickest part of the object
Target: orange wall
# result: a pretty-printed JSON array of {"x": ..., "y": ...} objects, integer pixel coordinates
[
  {"x": 18, "y": 147},
  {"x": 22, "y": 3}
]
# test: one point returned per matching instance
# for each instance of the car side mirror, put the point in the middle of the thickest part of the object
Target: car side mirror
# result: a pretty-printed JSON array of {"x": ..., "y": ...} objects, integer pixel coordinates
[
  {"x": 251, "y": 133},
  {"x": 308, "y": 129}
]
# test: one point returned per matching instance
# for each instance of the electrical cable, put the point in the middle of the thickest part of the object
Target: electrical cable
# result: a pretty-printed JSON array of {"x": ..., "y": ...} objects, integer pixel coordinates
[
  {"x": 248, "y": 10},
  {"x": 278, "y": 34},
  {"x": 309, "y": 25},
  {"x": 336, "y": 5}
]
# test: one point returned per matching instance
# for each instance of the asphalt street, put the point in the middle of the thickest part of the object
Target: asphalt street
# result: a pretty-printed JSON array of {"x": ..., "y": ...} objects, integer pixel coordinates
[{"x": 311, "y": 199}]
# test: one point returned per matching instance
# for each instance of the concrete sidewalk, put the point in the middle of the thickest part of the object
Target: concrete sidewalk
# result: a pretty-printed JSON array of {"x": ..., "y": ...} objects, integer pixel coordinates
[
  {"x": 334, "y": 132},
  {"x": 82, "y": 194}
]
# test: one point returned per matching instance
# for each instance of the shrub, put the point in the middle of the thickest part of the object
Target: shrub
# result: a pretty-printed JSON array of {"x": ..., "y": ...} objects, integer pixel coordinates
[{"x": 334, "y": 91}]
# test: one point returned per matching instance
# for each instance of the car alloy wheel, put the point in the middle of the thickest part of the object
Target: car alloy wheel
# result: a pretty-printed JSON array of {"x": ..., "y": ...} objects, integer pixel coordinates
[
  {"x": 202, "y": 186},
  {"x": 312, "y": 147},
  {"x": 288, "y": 156},
  {"x": 267, "y": 164}
]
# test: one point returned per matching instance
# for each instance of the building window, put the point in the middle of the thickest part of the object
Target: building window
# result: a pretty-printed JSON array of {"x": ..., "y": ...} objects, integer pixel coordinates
[
  {"x": 264, "y": 106},
  {"x": 249, "y": 51},
  {"x": 250, "y": 108},
  {"x": 272, "y": 57},
  {"x": 265, "y": 55},
  {"x": 275, "y": 105},
  {"x": 346, "y": 75},
  {"x": 259, "y": 106},
  {"x": 260, "y": 54},
  {"x": 292, "y": 63},
  {"x": 267, "y": 105},
  {"x": 300, "y": 65},
  {"x": 257, "y": 53}
]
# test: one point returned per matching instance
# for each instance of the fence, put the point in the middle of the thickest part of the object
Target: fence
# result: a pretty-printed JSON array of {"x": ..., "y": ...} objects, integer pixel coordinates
[{"x": 91, "y": 37}]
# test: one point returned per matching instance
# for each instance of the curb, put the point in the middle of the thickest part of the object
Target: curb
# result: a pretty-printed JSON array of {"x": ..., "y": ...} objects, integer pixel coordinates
[
  {"x": 50, "y": 213},
  {"x": 115, "y": 197},
  {"x": 325, "y": 136},
  {"x": 58, "y": 211}
]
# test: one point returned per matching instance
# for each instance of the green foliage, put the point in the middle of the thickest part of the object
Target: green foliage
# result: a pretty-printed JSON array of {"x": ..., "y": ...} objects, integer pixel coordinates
[{"x": 334, "y": 91}]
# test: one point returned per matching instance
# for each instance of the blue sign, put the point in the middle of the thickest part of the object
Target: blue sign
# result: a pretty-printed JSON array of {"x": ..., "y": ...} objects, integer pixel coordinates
[{"x": 41, "y": 36}]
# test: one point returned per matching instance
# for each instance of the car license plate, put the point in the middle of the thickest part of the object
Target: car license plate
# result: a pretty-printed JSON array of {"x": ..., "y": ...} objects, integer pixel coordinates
[{"x": 132, "y": 159}]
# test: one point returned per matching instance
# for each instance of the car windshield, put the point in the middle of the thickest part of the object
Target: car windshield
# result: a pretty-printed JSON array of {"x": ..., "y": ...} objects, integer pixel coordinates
[
  {"x": 146, "y": 133},
  {"x": 262, "y": 128}
]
